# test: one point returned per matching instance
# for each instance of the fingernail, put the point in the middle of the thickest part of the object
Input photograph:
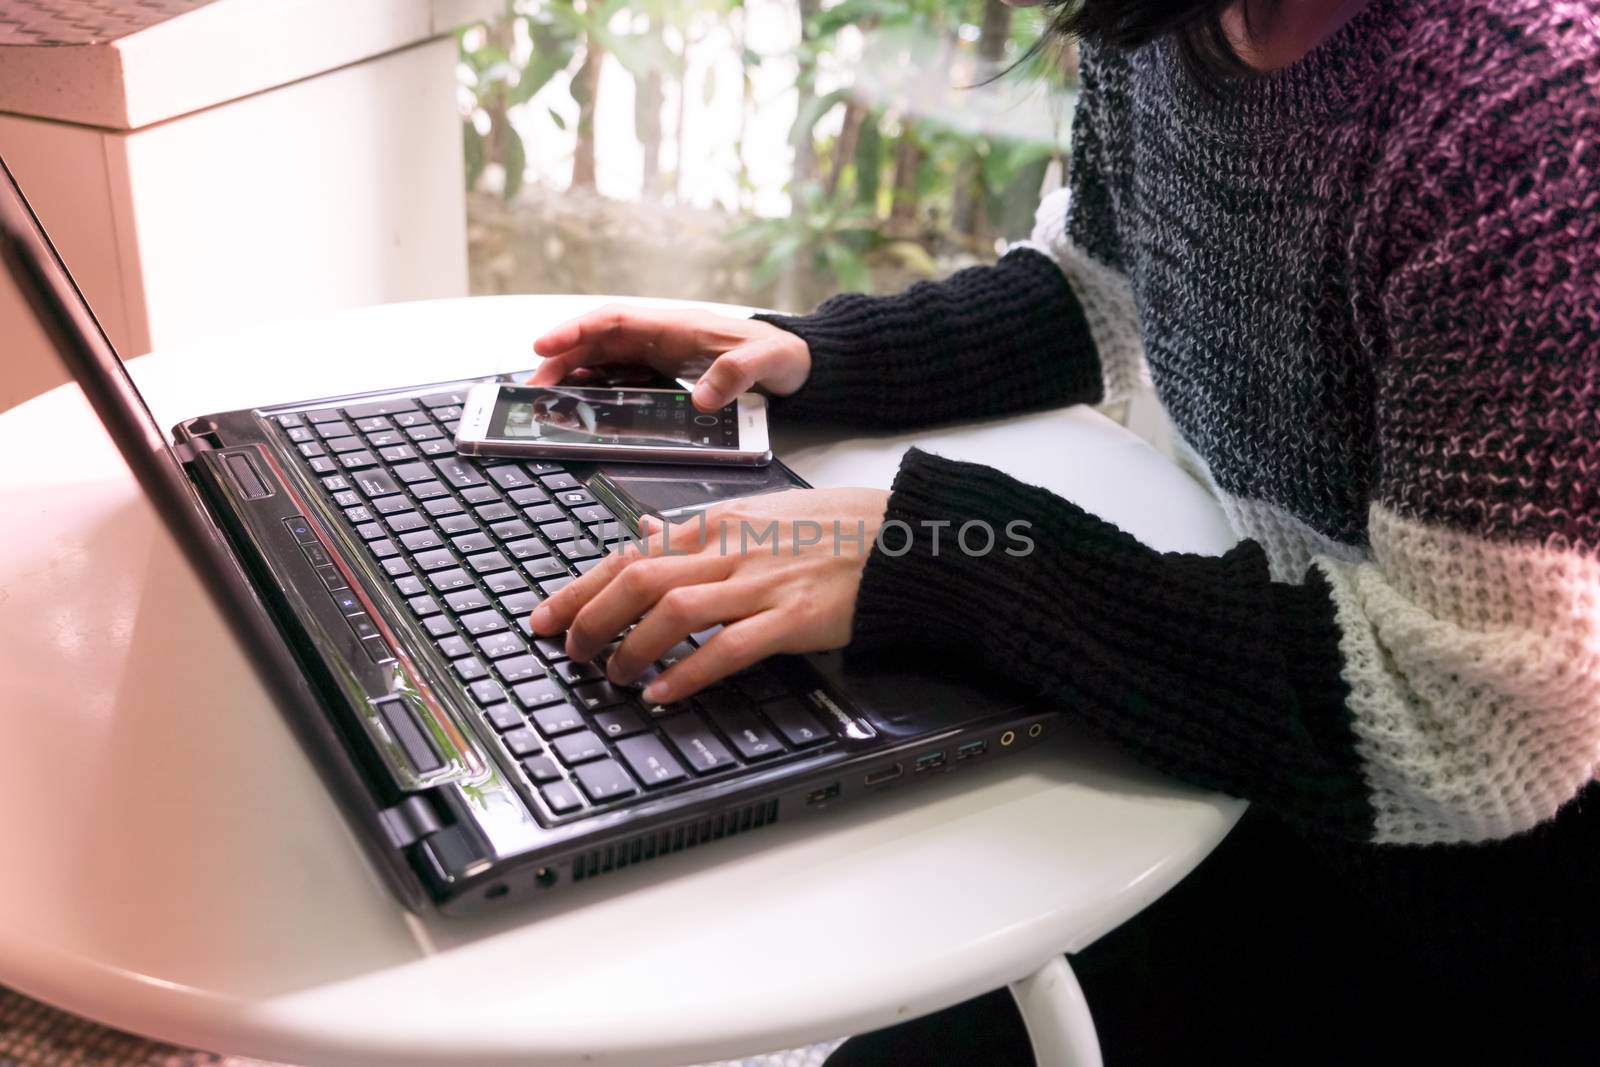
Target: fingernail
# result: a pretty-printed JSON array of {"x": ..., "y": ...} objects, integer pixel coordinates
[
  {"x": 704, "y": 397},
  {"x": 540, "y": 620},
  {"x": 656, "y": 692}
]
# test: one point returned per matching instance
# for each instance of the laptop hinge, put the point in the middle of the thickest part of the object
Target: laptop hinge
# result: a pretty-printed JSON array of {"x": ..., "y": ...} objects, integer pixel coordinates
[
  {"x": 409, "y": 821},
  {"x": 185, "y": 451}
]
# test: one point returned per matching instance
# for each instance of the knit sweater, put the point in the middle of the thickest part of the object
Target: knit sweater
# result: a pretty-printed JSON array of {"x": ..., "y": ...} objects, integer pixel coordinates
[{"x": 1366, "y": 289}]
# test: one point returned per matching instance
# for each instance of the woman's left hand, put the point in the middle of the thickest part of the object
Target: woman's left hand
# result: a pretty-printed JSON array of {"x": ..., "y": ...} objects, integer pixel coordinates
[{"x": 780, "y": 572}]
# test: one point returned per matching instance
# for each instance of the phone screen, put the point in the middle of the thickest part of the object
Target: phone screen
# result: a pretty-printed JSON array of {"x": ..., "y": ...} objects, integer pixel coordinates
[{"x": 572, "y": 415}]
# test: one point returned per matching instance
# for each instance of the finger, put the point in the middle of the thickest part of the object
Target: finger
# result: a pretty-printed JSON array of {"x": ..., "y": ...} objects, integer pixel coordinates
[
  {"x": 637, "y": 589},
  {"x": 734, "y": 648},
  {"x": 557, "y": 612},
  {"x": 555, "y": 369},
  {"x": 618, "y": 331},
  {"x": 735, "y": 372},
  {"x": 680, "y": 612}
]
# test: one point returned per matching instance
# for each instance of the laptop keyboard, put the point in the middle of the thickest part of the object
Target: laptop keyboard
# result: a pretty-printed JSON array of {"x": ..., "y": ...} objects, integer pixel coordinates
[{"x": 472, "y": 546}]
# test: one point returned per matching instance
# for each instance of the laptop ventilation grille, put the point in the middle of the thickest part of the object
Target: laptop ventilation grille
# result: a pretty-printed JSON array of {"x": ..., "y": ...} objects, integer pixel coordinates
[{"x": 666, "y": 842}]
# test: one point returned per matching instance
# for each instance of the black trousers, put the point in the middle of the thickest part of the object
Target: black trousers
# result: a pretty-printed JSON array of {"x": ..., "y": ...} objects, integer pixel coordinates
[{"x": 1254, "y": 958}]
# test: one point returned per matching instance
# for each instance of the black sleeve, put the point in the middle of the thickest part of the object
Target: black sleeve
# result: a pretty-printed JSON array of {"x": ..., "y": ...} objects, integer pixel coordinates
[
  {"x": 1201, "y": 666},
  {"x": 986, "y": 341}
]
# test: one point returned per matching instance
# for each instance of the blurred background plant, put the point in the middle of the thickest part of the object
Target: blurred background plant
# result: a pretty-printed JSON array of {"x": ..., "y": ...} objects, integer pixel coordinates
[{"x": 755, "y": 151}]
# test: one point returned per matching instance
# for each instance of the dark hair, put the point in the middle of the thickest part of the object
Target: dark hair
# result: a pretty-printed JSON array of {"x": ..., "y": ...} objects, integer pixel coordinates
[{"x": 1203, "y": 43}]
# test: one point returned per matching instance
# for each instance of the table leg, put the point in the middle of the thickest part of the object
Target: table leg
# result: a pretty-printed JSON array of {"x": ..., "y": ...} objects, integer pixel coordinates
[{"x": 1057, "y": 1016}]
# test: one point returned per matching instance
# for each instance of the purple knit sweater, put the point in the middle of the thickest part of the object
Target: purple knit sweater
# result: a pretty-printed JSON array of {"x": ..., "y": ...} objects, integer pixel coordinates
[{"x": 1367, "y": 291}]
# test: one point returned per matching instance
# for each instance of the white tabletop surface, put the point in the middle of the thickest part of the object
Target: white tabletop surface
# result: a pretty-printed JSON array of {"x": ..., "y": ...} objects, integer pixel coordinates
[{"x": 173, "y": 866}]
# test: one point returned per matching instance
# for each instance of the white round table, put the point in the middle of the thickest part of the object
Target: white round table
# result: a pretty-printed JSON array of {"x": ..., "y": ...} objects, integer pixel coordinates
[{"x": 174, "y": 867}]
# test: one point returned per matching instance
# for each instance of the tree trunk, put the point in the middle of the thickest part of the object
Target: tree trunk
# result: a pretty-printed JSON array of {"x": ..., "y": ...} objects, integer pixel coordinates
[
  {"x": 647, "y": 124},
  {"x": 907, "y": 161},
  {"x": 805, "y": 149},
  {"x": 967, "y": 212},
  {"x": 844, "y": 149},
  {"x": 585, "y": 90}
]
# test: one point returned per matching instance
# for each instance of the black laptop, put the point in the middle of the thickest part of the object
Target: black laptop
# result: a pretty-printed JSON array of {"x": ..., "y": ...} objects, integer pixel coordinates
[{"x": 381, "y": 584}]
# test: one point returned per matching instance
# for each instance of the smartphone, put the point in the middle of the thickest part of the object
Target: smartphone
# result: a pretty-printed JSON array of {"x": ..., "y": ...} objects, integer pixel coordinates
[{"x": 621, "y": 424}]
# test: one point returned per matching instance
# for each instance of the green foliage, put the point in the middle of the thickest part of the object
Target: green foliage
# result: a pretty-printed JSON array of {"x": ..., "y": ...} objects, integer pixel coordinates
[{"x": 819, "y": 234}]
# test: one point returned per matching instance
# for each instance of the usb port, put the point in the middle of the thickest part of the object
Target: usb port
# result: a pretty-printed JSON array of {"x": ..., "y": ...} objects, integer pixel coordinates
[
  {"x": 823, "y": 795},
  {"x": 972, "y": 748},
  {"x": 887, "y": 774},
  {"x": 930, "y": 761}
]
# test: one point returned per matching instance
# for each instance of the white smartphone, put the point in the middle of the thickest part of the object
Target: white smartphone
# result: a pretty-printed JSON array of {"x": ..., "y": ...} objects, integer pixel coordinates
[{"x": 635, "y": 425}]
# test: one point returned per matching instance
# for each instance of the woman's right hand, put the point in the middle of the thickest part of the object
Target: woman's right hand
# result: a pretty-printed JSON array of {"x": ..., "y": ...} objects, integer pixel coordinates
[{"x": 731, "y": 356}]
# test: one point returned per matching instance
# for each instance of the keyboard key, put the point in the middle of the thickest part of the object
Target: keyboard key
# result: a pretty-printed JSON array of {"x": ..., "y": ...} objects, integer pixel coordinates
[
  {"x": 575, "y": 498},
  {"x": 356, "y": 460},
  {"x": 545, "y": 567},
  {"x": 542, "y": 467},
  {"x": 576, "y": 748},
  {"x": 604, "y": 780},
  {"x": 541, "y": 769},
  {"x": 290, "y": 420},
  {"x": 488, "y": 562},
  {"x": 553, "y": 585},
  {"x": 529, "y": 497},
  {"x": 373, "y": 424},
  {"x": 322, "y": 465},
  {"x": 519, "y": 603},
  {"x": 347, "y": 602},
  {"x": 560, "y": 530},
  {"x": 487, "y": 692},
  {"x": 511, "y": 529},
  {"x": 455, "y": 647},
  {"x": 484, "y": 622},
  {"x": 385, "y": 439},
  {"x": 410, "y": 586},
  {"x": 414, "y": 472},
  {"x": 574, "y": 673},
  {"x": 760, "y": 685},
  {"x": 503, "y": 717},
  {"x": 300, "y": 529},
  {"x": 597, "y": 695},
  {"x": 347, "y": 499},
  {"x": 430, "y": 490},
  {"x": 345, "y": 444},
  {"x": 424, "y": 433},
  {"x": 451, "y": 580},
  {"x": 458, "y": 472},
  {"x": 439, "y": 507},
  {"x": 618, "y": 722},
  {"x": 697, "y": 743},
  {"x": 436, "y": 560},
  {"x": 797, "y": 725},
  {"x": 466, "y": 600},
  {"x": 333, "y": 428},
  {"x": 458, "y": 524},
  {"x": 753, "y": 740},
  {"x": 423, "y": 606},
  {"x": 363, "y": 625},
  {"x": 553, "y": 649},
  {"x": 680, "y": 651},
  {"x": 580, "y": 550},
  {"x": 322, "y": 415},
  {"x": 545, "y": 513},
  {"x": 560, "y": 481},
  {"x": 311, "y": 448},
  {"x": 438, "y": 626},
  {"x": 379, "y": 407},
  {"x": 477, "y": 541},
  {"x": 481, "y": 494},
  {"x": 396, "y": 567},
  {"x": 404, "y": 521},
  {"x": 508, "y": 476},
  {"x": 528, "y": 548},
  {"x": 650, "y": 761},
  {"x": 358, "y": 515},
  {"x": 411, "y": 418},
  {"x": 397, "y": 453},
  {"x": 333, "y": 483},
  {"x": 499, "y": 646},
  {"x": 561, "y": 797},
  {"x": 441, "y": 447},
  {"x": 448, "y": 416},
  {"x": 421, "y": 541},
  {"x": 495, "y": 512},
  {"x": 554, "y": 719},
  {"x": 594, "y": 514},
  {"x": 470, "y": 669},
  {"x": 440, "y": 400},
  {"x": 584, "y": 566},
  {"x": 519, "y": 669},
  {"x": 506, "y": 582},
  {"x": 522, "y": 741},
  {"x": 389, "y": 505}
]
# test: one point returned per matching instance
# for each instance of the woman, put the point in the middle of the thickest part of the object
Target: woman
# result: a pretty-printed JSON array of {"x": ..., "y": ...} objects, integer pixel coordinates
[{"x": 1356, "y": 248}]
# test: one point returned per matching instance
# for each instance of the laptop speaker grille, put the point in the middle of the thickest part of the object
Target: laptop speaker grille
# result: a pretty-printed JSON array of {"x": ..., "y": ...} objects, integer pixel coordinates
[{"x": 665, "y": 842}]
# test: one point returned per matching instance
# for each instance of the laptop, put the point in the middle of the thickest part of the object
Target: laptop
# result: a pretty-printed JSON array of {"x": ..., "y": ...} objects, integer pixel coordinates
[{"x": 381, "y": 585}]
